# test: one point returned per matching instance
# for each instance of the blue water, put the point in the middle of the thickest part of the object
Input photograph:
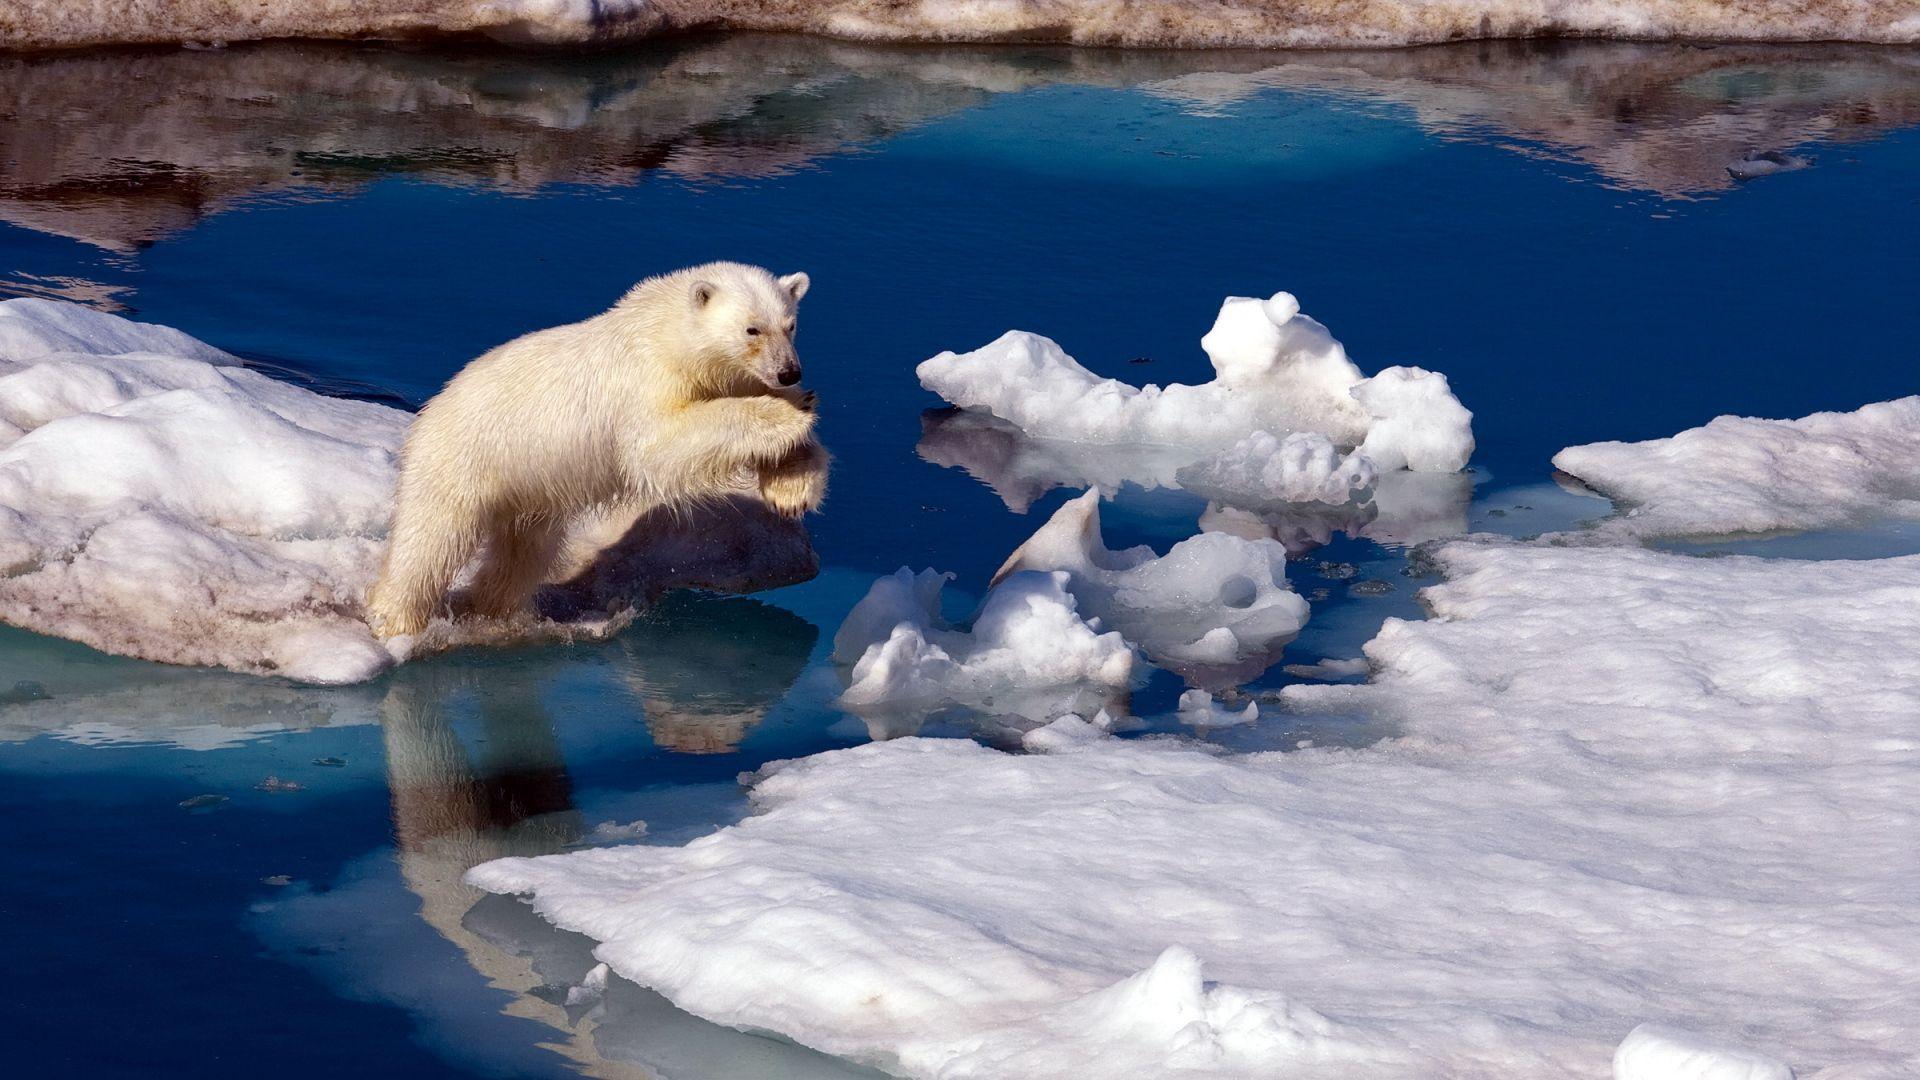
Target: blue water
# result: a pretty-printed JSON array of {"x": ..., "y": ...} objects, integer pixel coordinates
[{"x": 1565, "y": 245}]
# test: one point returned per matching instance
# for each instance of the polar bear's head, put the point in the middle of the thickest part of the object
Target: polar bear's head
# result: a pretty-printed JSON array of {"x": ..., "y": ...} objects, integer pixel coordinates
[{"x": 742, "y": 320}]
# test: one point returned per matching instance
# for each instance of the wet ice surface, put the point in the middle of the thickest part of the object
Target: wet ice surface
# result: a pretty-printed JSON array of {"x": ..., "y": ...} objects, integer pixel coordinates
[{"x": 245, "y": 194}]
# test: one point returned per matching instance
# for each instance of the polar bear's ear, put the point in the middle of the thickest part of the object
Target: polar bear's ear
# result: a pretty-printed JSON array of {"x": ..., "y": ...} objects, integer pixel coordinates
[
  {"x": 796, "y": 285},
  {"x": 701, "y": 292}
]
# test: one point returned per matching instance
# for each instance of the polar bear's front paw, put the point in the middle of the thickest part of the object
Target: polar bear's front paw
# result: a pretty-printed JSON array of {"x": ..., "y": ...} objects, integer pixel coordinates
[{"x": 797, "y": 483}]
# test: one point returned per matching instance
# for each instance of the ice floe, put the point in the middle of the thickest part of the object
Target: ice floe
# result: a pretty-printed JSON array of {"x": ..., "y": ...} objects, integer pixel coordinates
[
  {"x": 1215, "y": 607},
  {"x": 1028, "y": 651},
  {"x": 1161, "y": 23},
  {"x": 1277, "y": 371},
  {"x": 1627, "y": 786},
  {"x": 159, "y": 499},
  {"x": 1746, "y": 475}
]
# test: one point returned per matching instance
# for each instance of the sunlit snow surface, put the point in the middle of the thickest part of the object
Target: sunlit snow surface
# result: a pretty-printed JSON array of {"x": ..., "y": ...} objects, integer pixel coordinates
[
  {"x": 1277, "y": 372},
  {"x": 1630, "y": 786},
  {"x": 159, "y": 500},
  {"x": 1745, "y": 475}
]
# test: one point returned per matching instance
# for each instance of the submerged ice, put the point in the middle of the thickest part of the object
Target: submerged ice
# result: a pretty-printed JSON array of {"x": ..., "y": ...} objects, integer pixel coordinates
[{"x": 1628, "y": 787}]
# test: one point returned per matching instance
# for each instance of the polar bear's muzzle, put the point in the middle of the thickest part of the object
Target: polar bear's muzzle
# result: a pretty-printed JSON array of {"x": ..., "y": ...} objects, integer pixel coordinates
[{"x": 788, "y": 375}]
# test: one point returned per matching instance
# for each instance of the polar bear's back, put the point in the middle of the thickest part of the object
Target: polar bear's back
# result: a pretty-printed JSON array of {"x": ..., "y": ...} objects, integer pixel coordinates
[{"x": 536, "y": 424}]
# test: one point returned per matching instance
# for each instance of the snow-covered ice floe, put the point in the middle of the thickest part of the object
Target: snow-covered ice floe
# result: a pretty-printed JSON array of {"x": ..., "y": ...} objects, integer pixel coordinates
[
  {"x": 1629, "y": 787},
  {"x": 1746, "y": 475},
  {"x": 1277, "y": 372},
  {"x": 1028, "y": 653},
  {"x": 159, "y": 499},
  {"x": 1152, "y": 23},
  {"x": 1216, "y": 607}
]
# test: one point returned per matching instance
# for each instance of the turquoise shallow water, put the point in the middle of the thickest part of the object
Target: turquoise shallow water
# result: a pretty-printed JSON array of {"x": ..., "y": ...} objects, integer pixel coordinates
[{"x": 243, "y": 875}]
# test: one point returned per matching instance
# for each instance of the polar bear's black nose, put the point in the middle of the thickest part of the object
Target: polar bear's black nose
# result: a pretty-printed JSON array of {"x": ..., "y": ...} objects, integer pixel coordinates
[{"x": 789, "y": 376}]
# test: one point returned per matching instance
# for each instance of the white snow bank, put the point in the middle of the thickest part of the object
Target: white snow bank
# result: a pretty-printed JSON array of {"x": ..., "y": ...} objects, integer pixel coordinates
[
  {"x": 1147, "y": 23},
  {"x": 1277, "y": 371},
  {"x": 1028, "y": 651},
  {"x": 1215, "y": 607},
  {"x": 1629, "y": 786},
  {"x": 159, "y": 500},
  {"x": 1744, "y": 475},
  {"x": 1658, "y": 1052}
]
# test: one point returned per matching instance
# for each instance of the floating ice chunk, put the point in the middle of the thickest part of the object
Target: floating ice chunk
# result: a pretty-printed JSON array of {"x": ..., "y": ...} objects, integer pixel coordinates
[
  {"x": 1069, "y": 731},
  {"x": 1623, "y": 782},
  {"x": 1743, "y": 475},
  {"x": 1199, "y": 709},
  {"x": 1329, "y": 669},
  {"x": 1261, "y": 470},
  {"x": 1277, "y": 370},
  {"x": 591, "y": 988},
  {"x": 1658, "y": 1052},
  {"x": 1214, "y": 607},
  {"x": 1027, "y": 639},
  {"x": 159, "y": 500},
  {"x": 1417, "y": 422}
]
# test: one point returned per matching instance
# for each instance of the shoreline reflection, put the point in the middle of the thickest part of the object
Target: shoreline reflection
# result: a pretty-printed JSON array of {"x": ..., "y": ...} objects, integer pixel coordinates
[{"x": 122, "y": 149}]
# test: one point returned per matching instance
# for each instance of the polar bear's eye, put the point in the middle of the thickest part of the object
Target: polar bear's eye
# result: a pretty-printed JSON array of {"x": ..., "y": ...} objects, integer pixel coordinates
[{"x": 753, "y": 331}]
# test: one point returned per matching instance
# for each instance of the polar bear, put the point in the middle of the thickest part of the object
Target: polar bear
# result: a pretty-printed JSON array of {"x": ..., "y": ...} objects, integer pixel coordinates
[{"x": 684, "y": 390}]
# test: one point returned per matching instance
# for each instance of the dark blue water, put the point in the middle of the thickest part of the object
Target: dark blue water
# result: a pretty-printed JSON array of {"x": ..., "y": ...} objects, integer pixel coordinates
[{"x": 1552, "y": 227}]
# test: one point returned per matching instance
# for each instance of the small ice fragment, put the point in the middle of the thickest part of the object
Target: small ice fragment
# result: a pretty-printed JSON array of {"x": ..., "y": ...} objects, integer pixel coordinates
[
  {"x": 277, "y": 880},
  {"x": 593, "y": 986},
  {"x": 1068, "y": 731},
  {"x": 1370, "y": 587},
  {"x": 203, "y": 802},
  {"x": 330, "y": 762},
  {"x": 275, "y": 784},
  {"x": 1658, "y": 1052},
  {"x": 1213, "y": 602},
  {"x": 1329, "y": 669},
  {"x": 1198, "y": 709},
  {"x": 1028, "y": 636},
  {"x": 613, "y": 832}
]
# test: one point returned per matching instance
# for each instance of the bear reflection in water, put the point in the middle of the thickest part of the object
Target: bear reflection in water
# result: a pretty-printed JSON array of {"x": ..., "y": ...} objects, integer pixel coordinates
[{"x": 477, "y": 771}]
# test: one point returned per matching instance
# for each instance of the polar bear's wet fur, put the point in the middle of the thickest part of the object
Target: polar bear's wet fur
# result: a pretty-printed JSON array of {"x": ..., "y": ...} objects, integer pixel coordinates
[{"x": 684, "y": 390}]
